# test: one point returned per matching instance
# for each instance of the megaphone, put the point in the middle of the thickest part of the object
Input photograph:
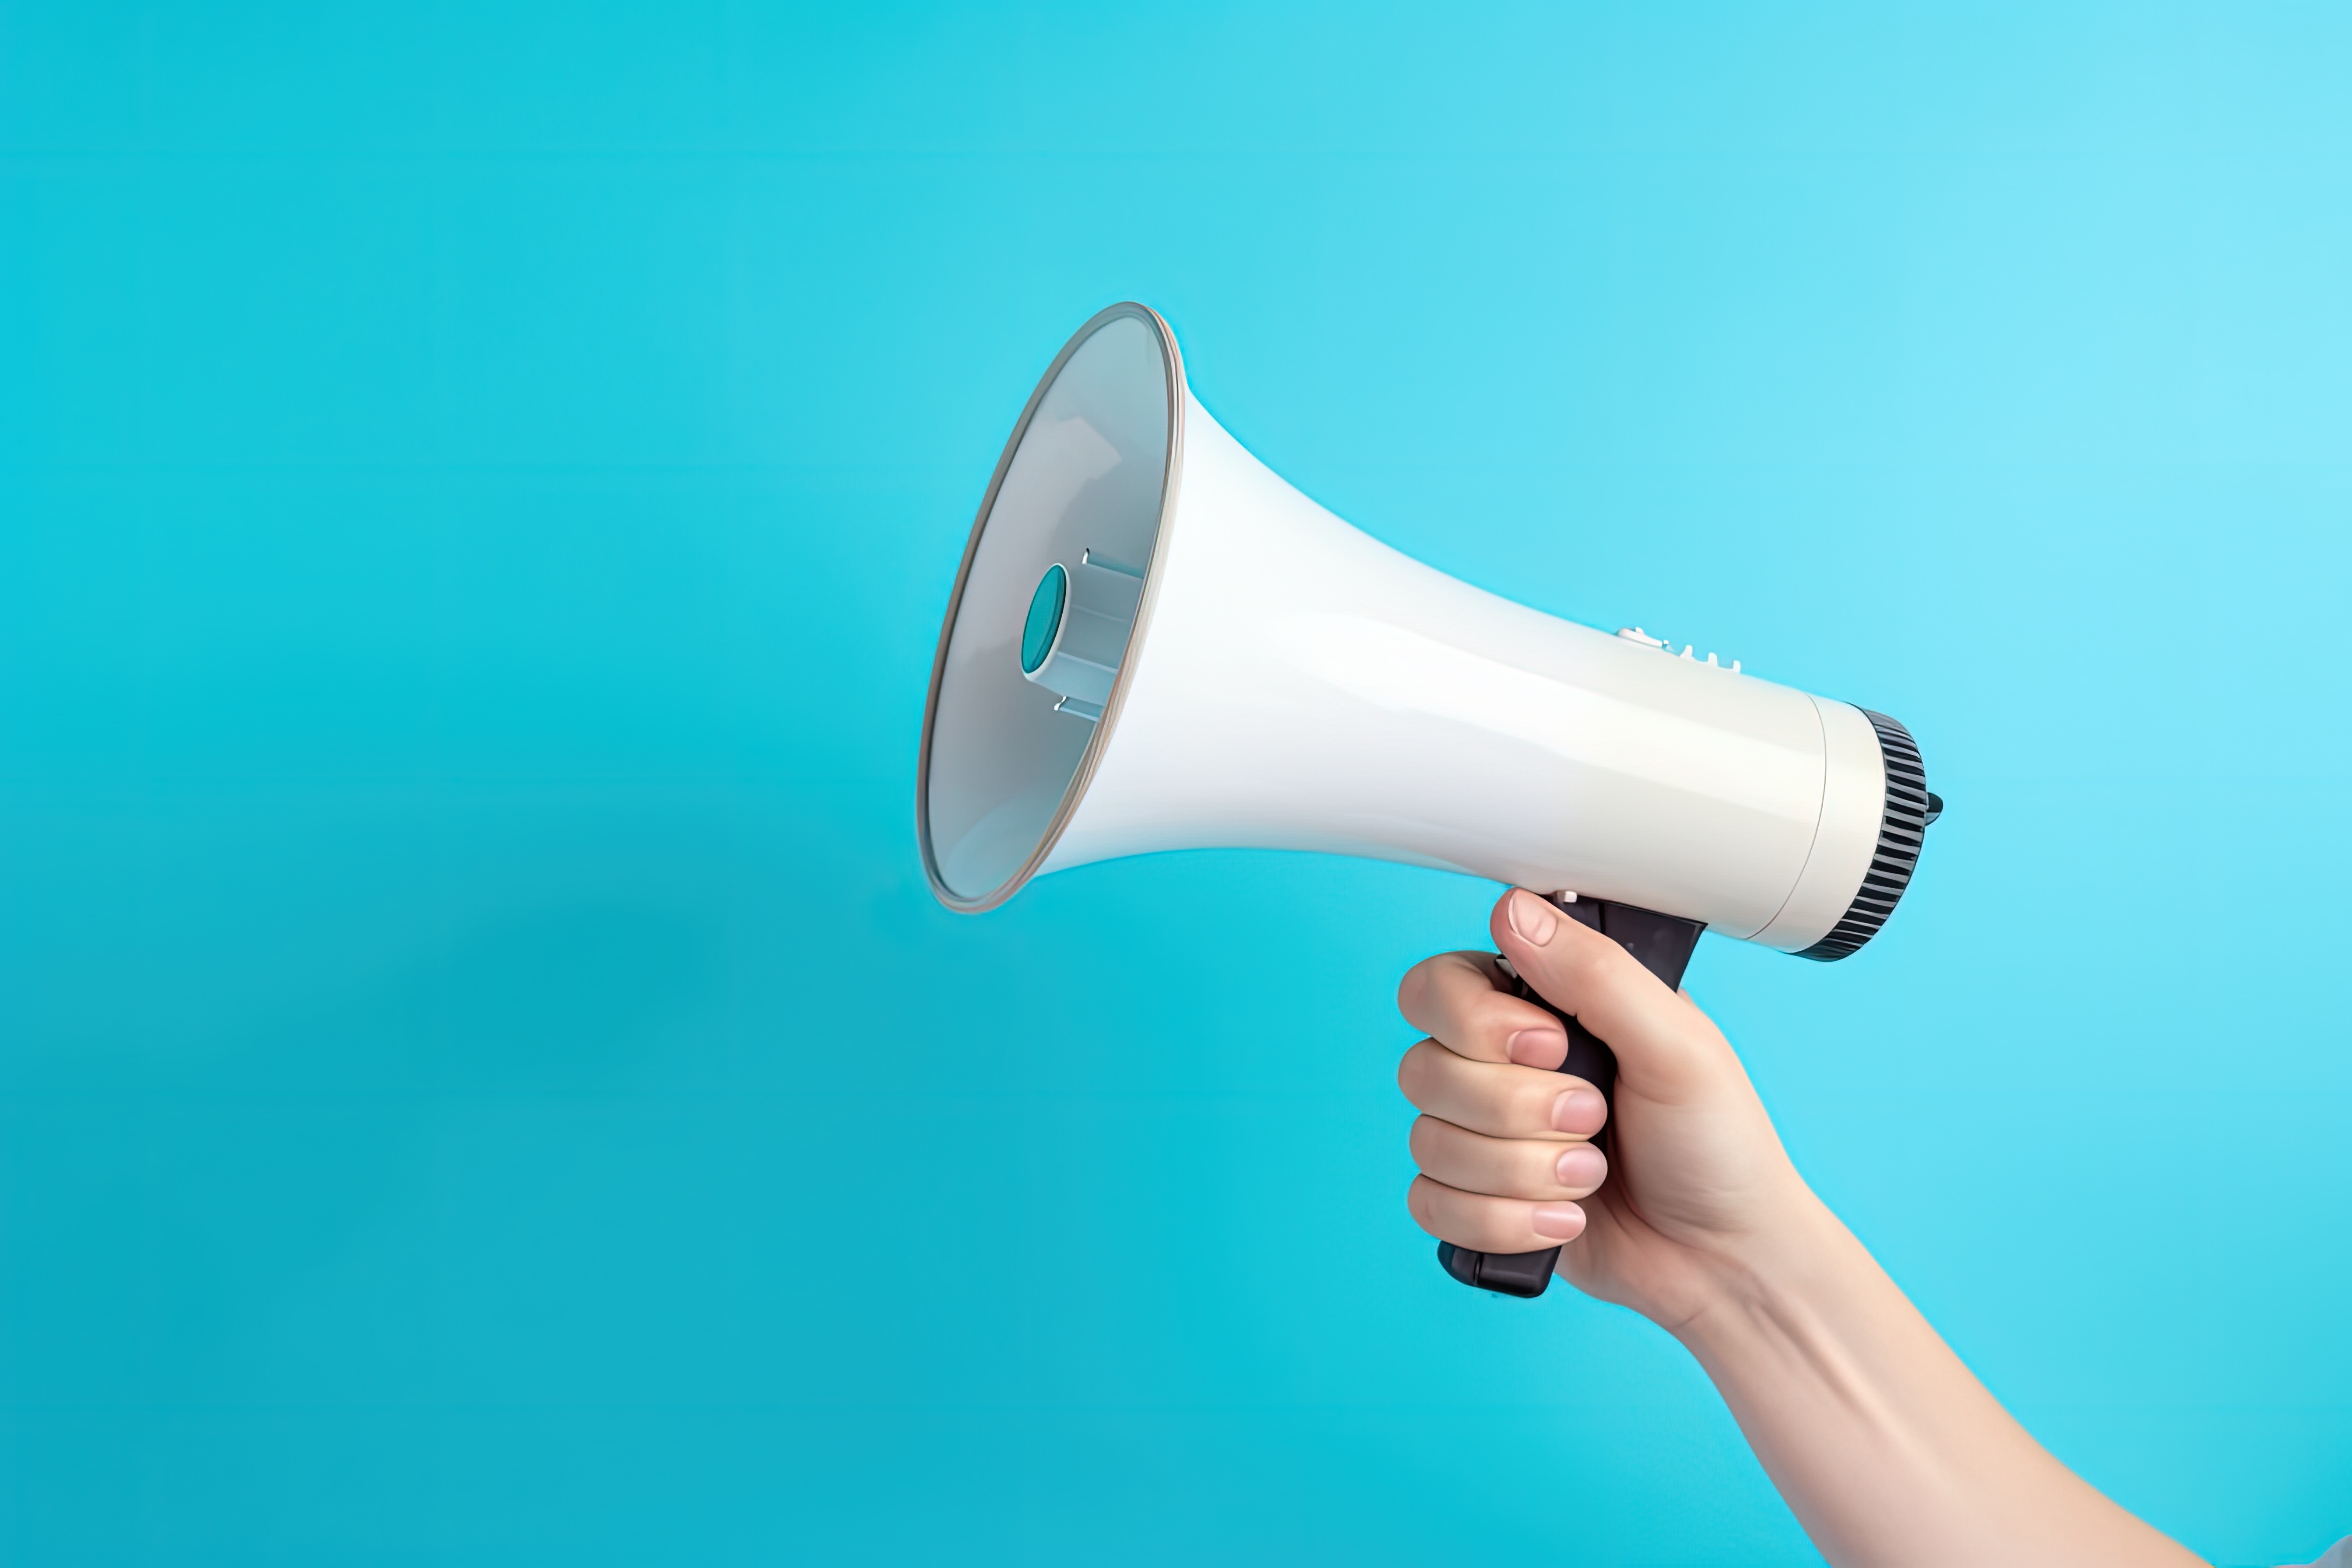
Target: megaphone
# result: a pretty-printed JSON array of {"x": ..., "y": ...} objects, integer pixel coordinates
[{"x": 1155, "y": 643}]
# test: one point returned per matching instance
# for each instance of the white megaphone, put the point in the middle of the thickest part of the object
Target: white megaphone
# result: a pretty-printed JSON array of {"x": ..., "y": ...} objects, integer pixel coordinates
[{"x": 1155, "y": 643}]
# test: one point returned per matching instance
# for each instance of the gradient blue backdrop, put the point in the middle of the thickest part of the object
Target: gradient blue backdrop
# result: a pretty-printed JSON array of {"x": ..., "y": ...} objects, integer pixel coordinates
[{"x": 481, "y": 1078}]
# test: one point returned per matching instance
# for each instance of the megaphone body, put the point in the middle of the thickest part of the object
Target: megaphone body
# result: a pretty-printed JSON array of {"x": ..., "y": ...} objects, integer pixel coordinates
[{"x": 1156, "y": 643}]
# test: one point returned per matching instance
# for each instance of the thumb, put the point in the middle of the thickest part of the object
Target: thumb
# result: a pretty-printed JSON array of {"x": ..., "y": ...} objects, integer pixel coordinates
[{"x": 1656, "y": 1033}]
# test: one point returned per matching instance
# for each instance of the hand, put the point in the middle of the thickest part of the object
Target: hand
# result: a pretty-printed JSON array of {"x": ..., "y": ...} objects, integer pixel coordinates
[
  {"x": 1700, "y": 1183},
  {"x": 1892, "y": 1454}
]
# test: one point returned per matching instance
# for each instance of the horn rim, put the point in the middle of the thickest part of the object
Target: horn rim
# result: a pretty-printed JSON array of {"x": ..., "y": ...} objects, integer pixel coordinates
[{"x": 1083, "y": 775}]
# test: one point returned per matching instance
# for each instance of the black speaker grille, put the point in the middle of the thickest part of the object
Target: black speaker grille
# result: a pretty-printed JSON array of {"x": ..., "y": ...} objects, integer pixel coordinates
[{"x": 1902, "y": 829}]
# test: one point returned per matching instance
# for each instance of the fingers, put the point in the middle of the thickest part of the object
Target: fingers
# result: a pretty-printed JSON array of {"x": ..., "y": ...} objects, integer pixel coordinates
[
  {"x": 1458, "y": 998},
  {"x": 1490, "y": 1223},
  {"x": 1501, "y": 1100},
  {"x": 1502, "y": 1141},
  {"x": 1655, "y": 1032},
  {"x": 1469, "y": 1162}
]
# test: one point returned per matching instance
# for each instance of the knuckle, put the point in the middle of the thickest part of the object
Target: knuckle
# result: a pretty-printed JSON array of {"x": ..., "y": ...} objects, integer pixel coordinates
[
  {"x": 1413, "y": 988},
  {"x": 1490, "y": 1227},
  {"x": 1617, "y": 966},
  {"x": 1413, "y": 1072},
  {"x": 1530, "y": 1102},
  {"x": 1417, "y": 1202},
  {"x": 1495, "y": 1014},
  {"x": 1423, "y": 1139}
]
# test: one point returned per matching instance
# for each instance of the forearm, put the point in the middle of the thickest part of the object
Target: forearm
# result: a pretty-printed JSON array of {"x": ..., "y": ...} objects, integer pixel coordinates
[
  {"x": 1884, "y": 1445},
  {"x": 1889, "y": 1451}
]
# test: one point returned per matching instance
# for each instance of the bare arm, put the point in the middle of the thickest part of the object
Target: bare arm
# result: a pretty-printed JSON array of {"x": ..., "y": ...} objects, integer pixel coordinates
[{"x": 1886, "y": 1446}]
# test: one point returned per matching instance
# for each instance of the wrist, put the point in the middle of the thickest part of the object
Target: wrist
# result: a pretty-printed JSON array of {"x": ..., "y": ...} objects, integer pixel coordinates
[{"x": 1786, "y": 1269}]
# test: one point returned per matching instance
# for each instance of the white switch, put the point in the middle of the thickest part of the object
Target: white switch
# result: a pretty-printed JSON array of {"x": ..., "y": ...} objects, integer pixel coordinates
[{"x": 1690, "y": 650}]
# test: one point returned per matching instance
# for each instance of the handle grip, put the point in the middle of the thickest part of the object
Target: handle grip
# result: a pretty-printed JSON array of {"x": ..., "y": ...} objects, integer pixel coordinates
[{"x": 1663, "y": 943}]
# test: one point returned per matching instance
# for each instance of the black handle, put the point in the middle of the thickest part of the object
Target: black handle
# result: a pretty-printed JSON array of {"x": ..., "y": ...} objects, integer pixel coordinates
[{"x": 1663, "y": 943}]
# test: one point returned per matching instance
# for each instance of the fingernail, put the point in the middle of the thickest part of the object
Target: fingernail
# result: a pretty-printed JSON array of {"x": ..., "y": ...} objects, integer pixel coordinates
[
  {"x": 1532, "y": 918},
  {"x": 1561, "y": 1222},
  {"x": 1579, "y": 1110},
  {"x": 1582, "y": 1166},
  {"x": 1537, "y": 1048}
]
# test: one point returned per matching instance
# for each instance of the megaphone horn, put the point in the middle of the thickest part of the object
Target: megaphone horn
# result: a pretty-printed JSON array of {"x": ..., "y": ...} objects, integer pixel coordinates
[{"x": 1155, "y": 643}]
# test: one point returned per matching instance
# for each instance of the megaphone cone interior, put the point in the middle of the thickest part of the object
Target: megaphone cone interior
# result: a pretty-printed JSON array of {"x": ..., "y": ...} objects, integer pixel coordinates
[{"x": 1155, "y": 643}]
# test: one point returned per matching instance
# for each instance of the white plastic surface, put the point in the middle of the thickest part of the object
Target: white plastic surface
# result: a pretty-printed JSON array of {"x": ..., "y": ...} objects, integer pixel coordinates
[
  {"x": 1301, "y": 686},
  {"x": 1853, "y": 797}
]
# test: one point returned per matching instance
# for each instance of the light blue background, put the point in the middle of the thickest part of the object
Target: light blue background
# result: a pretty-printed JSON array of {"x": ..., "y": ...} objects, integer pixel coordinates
[{"x": 481, "y": 1078}]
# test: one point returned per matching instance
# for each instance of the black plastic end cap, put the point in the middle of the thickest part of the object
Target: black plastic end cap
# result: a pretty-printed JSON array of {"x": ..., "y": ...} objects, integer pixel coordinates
[
  {"x": 1522, "y": 1274},
  {"x": 1902, "y": 834}
]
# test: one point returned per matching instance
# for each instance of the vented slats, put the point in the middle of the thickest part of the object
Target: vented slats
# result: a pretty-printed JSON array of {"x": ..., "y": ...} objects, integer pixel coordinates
[{"x": 1902, "y": 835}]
